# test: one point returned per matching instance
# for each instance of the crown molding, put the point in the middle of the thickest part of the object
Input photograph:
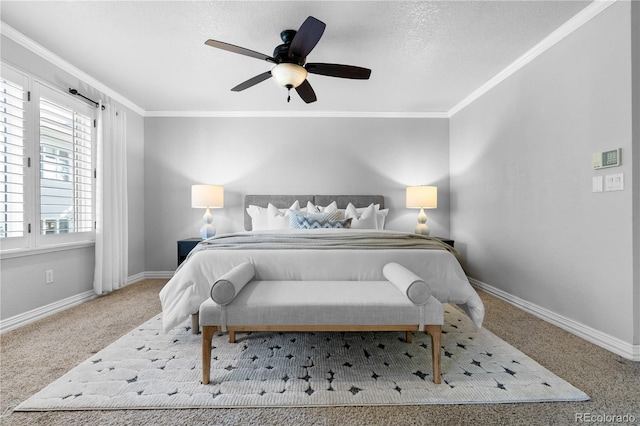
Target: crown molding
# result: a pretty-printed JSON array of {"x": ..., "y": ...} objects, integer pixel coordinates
[
  {"x": 295, "y": 114},
  {"x": 24, "y": 41},
  {"x": 581, "y": 18}
]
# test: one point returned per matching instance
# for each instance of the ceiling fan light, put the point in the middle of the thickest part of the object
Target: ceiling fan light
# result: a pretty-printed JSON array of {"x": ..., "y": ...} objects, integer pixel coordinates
[{"x": 289, "y": 75}]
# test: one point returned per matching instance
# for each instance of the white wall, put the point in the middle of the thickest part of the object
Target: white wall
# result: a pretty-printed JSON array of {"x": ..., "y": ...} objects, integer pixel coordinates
[
  {"x": 23, "y": 286},
  {"x": 522, "y": 210},
  {"x": 285, "y": 156}
]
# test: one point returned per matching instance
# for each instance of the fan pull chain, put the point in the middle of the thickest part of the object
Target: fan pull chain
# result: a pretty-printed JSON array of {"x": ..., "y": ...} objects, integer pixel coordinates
[{"x": 289, "y": 94}]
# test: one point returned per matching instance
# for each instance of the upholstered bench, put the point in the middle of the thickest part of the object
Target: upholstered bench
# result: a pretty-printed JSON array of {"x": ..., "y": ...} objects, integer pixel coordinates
[{"x": 239, "y": 303}]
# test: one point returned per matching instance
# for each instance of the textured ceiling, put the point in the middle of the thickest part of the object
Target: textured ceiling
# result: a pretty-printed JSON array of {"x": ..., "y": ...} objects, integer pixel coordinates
[{"x": 425, "y": 56}]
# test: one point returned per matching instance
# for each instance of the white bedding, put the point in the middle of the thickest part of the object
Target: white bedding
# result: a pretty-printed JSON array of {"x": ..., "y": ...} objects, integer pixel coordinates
[{"x": 189, "y": 287}]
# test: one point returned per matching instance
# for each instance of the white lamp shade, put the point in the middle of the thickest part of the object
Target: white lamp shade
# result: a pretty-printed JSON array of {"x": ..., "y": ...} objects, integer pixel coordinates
[
  {"x": 289, "y": 75},
  {"x": 422, "y": 197},
  {"x": 207, "y": 196}
]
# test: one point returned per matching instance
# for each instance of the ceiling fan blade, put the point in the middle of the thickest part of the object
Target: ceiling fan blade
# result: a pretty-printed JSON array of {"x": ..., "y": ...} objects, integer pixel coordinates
[
  {"x": 338, "y": 70},
  {"x": 306, "y": 92},
  {"x": 252, "y": 81},
  {"x": 241, "y": 50},
  {"x": 306, "y": 38}
]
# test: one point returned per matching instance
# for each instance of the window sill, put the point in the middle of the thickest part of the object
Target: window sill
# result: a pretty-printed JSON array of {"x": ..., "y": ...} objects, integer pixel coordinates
[{"x": 10, "y": 254}]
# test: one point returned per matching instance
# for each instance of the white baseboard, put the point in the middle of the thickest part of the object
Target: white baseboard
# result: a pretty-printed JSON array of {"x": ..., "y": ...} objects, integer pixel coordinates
[
  {"x": 610, "y": 343},
  {"x": 34, "y": 315},
  {"x": 158, "y": 274},
  {"x": 135, "y": 278},
  {"x": 44, "y": 311}
]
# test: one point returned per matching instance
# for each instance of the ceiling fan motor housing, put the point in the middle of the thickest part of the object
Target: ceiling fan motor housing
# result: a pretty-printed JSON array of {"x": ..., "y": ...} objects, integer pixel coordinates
[
  {"x": 281, "y": 52},
  {"x": 288, "y": 35}
]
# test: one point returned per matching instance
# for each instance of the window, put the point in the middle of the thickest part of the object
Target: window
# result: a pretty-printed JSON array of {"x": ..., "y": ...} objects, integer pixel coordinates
[
  {"x": 12, "y": 116},
  {"x": 13, "y": 134},
  {"x": 48, "y": 163},
  {"x": 65, "y": 170}
]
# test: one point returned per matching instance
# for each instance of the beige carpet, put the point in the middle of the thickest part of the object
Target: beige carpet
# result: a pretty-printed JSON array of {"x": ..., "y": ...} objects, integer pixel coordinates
[{"x": 62, "y": 341}]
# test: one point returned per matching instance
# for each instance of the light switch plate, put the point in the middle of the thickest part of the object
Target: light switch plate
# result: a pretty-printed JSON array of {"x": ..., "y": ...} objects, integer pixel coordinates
[
  {"x": 614, "y": 182},
  {"x": 598, "y": 183}
]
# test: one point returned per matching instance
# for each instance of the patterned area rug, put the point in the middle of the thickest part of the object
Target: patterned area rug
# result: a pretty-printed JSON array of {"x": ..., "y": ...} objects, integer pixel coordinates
[{"x": 147, "y": 369}]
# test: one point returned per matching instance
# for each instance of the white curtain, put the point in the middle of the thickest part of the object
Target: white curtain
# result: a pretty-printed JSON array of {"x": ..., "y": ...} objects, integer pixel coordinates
[{"x": 111, "y": 201}]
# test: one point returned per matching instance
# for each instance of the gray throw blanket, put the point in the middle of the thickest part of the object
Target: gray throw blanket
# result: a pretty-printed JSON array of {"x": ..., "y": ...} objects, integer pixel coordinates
[{"x": 315, "y": 240}]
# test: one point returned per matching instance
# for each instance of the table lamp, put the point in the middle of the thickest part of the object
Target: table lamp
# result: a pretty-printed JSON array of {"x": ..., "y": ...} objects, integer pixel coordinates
[
  {"x": 207, "y": 196},
  {"x": 422, "y": 197}
]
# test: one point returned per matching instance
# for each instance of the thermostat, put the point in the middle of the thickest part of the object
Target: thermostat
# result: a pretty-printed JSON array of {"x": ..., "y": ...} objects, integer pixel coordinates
[{"x": 606, "y": 159}]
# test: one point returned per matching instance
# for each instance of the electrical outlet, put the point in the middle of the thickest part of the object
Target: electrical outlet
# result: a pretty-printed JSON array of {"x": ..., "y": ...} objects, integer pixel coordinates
[{"x": 48, "y": 276}]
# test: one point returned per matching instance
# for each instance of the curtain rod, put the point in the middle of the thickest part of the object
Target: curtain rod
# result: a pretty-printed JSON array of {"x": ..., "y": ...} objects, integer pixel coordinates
[{"x": 75, "y": 92}]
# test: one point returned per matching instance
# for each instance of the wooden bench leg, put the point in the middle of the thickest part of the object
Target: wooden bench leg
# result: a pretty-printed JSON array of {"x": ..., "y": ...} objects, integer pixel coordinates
[
  {"x": 207, "y": 337},
  {"x": 435, "y": 332},
  {"x": 232, "y": 336},
  {"x": 195, "y": 323},
  {"x": 409, "y": 337}
]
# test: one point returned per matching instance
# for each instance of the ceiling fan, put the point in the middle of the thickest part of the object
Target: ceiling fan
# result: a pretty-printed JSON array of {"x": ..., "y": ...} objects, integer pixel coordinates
[{"x": 291, "y": 68}]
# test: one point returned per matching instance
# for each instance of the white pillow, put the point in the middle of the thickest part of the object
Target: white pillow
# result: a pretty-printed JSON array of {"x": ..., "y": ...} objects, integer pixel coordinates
[
  {"x": 362, "y": 209},
  {"x": 263, "y": 219},
  {"x": 365, "y": 220},
  {"x": 259, "y": 218},
  {"x": 381, "y": 216},
  {"x": 279, "y": 218},
  {"x": 311, "y": 208}
]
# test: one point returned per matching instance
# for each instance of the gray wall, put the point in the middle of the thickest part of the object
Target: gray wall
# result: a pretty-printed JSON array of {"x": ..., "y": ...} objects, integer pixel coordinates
[
  {"x": 522, "y": 210},
  {"x": 285, "y": 156},
  {"x": 135, "y": 196},
  {"x": 23, "y": 285}
]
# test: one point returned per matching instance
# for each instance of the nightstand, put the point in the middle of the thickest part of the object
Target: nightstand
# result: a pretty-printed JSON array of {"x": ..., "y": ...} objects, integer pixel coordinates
[
  {"x": 185, "y": 247},
  {"x": 445, "y": 240}
]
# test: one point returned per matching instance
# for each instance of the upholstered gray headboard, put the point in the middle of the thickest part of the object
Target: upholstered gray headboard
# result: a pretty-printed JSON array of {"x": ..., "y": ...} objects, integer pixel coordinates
[{"x": 285, "y": 201}]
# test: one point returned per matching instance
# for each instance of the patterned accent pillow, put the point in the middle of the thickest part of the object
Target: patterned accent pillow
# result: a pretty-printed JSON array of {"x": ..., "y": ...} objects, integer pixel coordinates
[
  {"x": 344, "y": 223},
  {"x": 301, "y": 220}
]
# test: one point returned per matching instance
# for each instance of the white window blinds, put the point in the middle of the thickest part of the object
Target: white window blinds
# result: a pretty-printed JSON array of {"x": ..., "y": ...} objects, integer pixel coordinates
[
  {"x": 66, "y": 172},
  {"x": 47, "y": 163},
  {"x": 12, "y": 146}
]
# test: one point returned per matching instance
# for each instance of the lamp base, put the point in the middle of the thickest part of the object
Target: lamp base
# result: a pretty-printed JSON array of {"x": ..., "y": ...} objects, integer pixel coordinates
[
  {"x": 422, "y": 227},
  {"x": 207, "y": 230}
]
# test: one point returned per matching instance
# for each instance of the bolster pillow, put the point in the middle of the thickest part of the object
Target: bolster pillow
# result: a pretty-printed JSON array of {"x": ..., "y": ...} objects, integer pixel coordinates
[
  {"x": 225, "y": 289},
  {"x": 407, "y": 282}
]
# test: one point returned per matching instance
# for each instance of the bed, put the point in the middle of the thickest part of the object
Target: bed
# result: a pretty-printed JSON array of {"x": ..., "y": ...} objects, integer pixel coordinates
[{"x": 356, "y": 254}]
